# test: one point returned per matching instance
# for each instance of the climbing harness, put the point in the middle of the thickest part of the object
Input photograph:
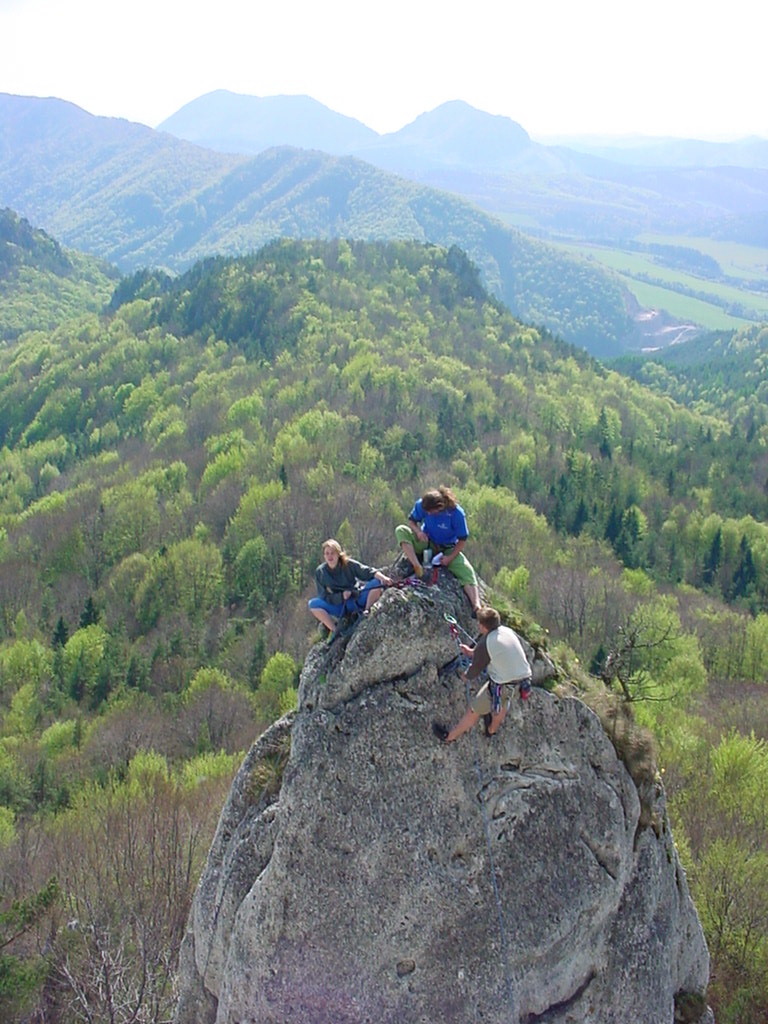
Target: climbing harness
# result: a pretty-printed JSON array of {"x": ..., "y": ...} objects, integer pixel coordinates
[{"x": 351, "y": 613}]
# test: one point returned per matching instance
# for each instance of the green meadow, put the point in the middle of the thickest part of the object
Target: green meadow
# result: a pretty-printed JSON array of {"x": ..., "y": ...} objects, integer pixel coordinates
[
  {"x": 749, "y": 262},
  {"x": 684, "y": 295}
]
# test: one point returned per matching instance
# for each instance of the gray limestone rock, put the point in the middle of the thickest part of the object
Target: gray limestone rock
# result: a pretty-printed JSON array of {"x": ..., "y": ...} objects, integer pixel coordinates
[{"x": 362, "y": 871}]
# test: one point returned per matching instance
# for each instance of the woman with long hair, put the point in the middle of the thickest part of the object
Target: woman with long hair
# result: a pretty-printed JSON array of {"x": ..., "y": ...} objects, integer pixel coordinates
[{"x": 339, "y": 590}]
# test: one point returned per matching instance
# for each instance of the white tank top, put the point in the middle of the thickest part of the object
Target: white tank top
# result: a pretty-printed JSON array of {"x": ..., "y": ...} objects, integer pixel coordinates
[{"x": 508, "y": 661}]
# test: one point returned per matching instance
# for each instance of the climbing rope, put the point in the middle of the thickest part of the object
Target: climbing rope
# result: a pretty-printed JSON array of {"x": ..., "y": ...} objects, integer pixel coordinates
[
  {"x": 418, "y": 587},
  {"x": 494, "y": 878},
  {"x": 463, "y": 661},
  {"x": 456, "y": 629}
]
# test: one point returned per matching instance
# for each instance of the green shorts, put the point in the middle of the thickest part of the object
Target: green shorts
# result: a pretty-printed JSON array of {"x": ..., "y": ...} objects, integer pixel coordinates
[{"x": 461, "y": 567}]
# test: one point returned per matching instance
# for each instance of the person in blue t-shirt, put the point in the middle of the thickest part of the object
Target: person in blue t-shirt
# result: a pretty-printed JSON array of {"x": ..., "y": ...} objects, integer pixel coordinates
[{"x": 437, "y": 521}]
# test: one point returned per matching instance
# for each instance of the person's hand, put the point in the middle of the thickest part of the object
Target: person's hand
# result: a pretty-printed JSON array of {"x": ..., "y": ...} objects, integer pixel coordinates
[
  {"x": 347, "y": 594},
  {"x": 465, "y": 648}
]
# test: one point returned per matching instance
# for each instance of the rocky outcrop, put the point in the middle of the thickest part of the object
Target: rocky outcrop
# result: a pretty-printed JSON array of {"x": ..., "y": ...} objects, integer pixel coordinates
[{"x": 364, "y": 872}]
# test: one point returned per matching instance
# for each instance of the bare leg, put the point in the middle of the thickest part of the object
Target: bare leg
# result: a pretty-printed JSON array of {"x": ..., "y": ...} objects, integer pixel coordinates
[
  {"x": 412, "y": 557},
  {"x": 496, "y": 721},
  {"x": 473, "y": 594},
  {"x": 464, "y": 724},
  {"x": 372, "y": 596},
  {"x": 322, "y": 616}
]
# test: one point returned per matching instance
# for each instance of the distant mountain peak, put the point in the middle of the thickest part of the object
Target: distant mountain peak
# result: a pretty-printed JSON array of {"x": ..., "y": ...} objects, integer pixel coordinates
[
  {"x": 238, "y": 123},
  {"x": 459, "y": 113},
  {"x": 453, "y": 134},
  {"x": 460, "y": 133}
]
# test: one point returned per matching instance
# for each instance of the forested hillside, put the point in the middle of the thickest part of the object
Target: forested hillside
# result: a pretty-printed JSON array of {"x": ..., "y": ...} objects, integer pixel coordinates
[
  {"x": 139, "y": 198},
  {"x": 168, "y": 473},
  {"x": 724, "y": 373},
  {"x": 41, "y": 283},
  {"x": 610, "y": 191},
  {"x": 682, "y": 223}
]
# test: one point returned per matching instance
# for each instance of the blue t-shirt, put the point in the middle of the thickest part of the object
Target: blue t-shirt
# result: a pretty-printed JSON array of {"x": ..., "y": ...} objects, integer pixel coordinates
[{"x": 445, "y": 528}]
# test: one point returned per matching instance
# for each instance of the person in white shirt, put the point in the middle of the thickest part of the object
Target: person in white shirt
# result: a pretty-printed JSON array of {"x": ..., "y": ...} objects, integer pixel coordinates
[{"x": 500, "y": 654}]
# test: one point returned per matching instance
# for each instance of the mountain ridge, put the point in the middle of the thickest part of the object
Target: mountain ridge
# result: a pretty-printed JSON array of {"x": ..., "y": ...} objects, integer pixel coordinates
[
  {"x": 580, "y": 192},
  {"x": 141, "y": 198},
  {"x": 286, "y": 121},
  {"x": 41, "y": 283},
  {"x": 751, "y": 151}
]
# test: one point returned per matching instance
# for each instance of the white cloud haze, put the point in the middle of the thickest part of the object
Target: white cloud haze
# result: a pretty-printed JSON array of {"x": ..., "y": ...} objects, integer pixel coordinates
[{"x": 556, "y": 67}]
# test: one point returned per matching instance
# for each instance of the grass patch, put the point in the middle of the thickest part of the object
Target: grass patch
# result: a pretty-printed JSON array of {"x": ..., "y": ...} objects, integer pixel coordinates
[
  {"x": 684, "y": 307},
  {"x": 266, "y": 775},
  {"x": 749, "y": 262},
  {"x": 630, "y": 266}
]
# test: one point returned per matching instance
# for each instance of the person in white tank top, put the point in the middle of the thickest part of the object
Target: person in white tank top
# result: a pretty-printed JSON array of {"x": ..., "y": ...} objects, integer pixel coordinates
[
  {"x": 507, "y": 662},
  {"x": 501, "y": 655}
]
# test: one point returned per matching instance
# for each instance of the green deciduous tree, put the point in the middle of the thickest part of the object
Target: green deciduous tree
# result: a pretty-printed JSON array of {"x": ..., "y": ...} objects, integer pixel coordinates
[
  {"x": 21, "y": 662},
  {"x": 722, "y": 822},
  {"x": 22, "y": 972},
  {"x": 82, "y": 662},
  {"x": 276, "y": 692}
]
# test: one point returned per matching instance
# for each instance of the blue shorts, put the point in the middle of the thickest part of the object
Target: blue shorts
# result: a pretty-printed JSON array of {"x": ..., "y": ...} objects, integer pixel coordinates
[{"x": 353, "y": 604}]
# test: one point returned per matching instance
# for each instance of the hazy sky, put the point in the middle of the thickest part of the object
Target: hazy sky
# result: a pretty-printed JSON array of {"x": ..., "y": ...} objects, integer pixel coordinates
[{"x": 663, "y": 67}]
